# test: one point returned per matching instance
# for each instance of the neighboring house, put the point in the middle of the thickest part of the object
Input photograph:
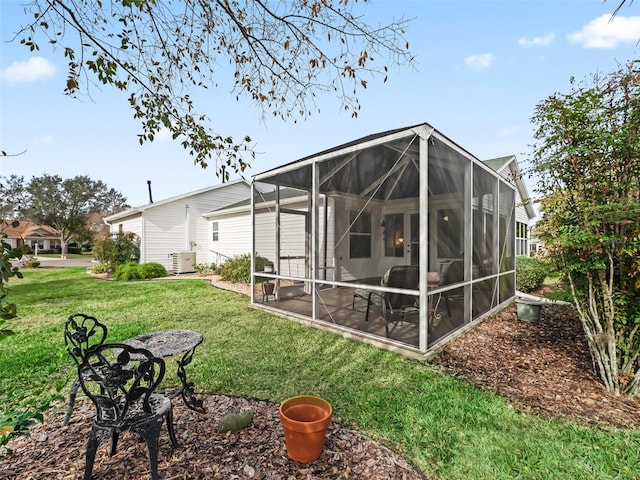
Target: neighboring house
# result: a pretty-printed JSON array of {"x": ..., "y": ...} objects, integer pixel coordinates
[
  {"x": 536, "y": 245},
  {"x": 176, "y": 225},
  {"x": 525, "y": 213},
  {"x": 405, "y": 197},
  {"x": 41, "y": 238}
]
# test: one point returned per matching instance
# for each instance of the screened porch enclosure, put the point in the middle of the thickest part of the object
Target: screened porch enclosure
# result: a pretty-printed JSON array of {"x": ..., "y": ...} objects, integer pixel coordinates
[{"x": 401, "y": 237}]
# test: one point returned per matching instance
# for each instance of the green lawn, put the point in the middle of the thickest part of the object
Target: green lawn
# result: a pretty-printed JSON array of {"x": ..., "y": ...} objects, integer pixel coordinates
[{"x": 449, "y": 429}]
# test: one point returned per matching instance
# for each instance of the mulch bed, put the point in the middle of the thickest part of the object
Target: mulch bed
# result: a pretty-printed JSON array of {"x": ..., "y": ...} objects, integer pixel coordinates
[
  {"x": 54, "y": 452},
  {"x": 544, "y": 367}
]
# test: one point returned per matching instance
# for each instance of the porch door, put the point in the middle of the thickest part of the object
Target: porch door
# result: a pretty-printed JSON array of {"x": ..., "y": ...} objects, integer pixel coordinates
[
  {"x": 294, "y": 243},
  {"x": 414, "y": 238}
]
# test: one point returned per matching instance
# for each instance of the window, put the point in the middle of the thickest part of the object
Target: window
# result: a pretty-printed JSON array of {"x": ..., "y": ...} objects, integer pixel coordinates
[
  {"x": 522, "y": 238},
  {"x": 214, "y": 227},
  {"x": 359, "y": 234},
  {"x": 393, "y": 233}
]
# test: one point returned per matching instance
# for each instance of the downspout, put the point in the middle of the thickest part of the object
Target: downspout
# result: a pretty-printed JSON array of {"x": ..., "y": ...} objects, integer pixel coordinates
[
  {"x": 326, "y": 236},
  {"x": 253, "y": 241},
  {"x": 143, "y": 240},
  {"x": 188, "y": 227}
]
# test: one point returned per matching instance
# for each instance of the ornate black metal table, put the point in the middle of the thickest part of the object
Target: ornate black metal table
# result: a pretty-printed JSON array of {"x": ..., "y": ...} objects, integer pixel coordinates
[{"x": 169, "y": 343}]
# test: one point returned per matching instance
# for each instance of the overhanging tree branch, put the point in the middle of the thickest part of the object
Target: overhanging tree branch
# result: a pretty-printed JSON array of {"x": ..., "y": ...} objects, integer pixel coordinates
[{"x": 282, "y": 55}]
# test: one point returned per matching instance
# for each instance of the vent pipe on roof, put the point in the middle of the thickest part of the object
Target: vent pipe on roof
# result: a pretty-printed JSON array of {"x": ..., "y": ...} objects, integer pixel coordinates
[{"x": 149, "y": 187}]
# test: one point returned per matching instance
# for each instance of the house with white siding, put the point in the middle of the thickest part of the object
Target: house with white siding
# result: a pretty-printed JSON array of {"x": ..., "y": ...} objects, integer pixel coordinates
[
  {"x": 176, "y": 226},
  {"x": 525, "y": 213}
]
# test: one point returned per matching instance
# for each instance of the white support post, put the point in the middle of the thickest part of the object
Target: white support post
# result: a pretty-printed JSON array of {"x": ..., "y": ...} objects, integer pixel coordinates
[
  {"x": 315, "y": 235},
  {"x": 423, "y": 335}
]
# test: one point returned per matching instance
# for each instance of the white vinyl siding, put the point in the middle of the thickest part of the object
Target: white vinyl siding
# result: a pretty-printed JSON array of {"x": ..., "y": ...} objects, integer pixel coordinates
[
  {"x": 176, "y": 225},
  {"x": 130, "y": 224},
  {"x": 234, "y": 238}
]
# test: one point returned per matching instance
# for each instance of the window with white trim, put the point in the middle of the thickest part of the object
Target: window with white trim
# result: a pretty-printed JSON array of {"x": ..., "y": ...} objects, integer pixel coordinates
[
  {"x": 214, "y": 231},
  {"x": 522, "y": 238},
  {"x": 359, "y": 234}
]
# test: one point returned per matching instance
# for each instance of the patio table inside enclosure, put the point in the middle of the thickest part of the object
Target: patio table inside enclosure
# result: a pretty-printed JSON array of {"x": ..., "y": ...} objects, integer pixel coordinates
[{"x": 335, "y": 222}]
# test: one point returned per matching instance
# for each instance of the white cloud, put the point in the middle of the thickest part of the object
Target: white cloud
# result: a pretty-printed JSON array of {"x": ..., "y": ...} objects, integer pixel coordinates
[
  {"x": 543, "y": 41},
  {"x": 605, "y": 32},
  {"x": 479, "y": 62},
  {"x": 44, "y": 140},
  {"x": 31, "y": 70},
  {"x": 164, "y": 135},
  {"x": 509, "y": 131}
]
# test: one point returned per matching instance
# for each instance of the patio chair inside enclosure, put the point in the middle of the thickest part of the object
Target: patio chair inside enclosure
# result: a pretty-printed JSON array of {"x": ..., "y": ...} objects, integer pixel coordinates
[
  {"x": 81, "y": 331},
  {"x": 450, "y": 272},
  {"x": 121, "y": 381},
  {"x": 405, "y": 277}
]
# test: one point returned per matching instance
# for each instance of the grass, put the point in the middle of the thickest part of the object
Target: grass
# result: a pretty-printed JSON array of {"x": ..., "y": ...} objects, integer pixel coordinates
[
  {"x": 69, "y": 255},
  {"x": 449, "y": 429}
]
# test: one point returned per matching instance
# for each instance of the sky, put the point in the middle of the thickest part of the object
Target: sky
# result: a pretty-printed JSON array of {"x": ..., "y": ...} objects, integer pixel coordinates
[{"x": 481, "y": 68}]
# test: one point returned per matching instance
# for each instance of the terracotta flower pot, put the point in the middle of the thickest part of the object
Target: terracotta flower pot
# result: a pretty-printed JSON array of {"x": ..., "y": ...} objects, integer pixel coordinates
[{"x": 305, "y": 420}]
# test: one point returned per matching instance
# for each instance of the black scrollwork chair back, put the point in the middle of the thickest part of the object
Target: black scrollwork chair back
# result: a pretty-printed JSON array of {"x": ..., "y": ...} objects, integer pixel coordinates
[
  {"x": 81, "y": 331},
  {"x": 121, "y": 381}
]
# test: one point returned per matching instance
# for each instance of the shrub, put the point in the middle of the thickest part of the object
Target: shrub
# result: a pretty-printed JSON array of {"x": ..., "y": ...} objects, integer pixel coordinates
[
  {"x": 117, "y": 249},
  {"x": 139, "y": 271},
  {"x": 32, "y": 262},
  {"x": 530, "y": 273},
  {"x": 151, "y": 270},
  {"x": 238, "y": 269},
  {"x": 103, "y": 267},
  {"x": 127, "y": 271},
  {"x": 204, "y": 269}
]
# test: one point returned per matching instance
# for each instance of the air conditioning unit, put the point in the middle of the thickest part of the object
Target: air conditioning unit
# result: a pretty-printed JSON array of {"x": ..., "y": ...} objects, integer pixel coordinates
[{"x": 183, "y": 262}]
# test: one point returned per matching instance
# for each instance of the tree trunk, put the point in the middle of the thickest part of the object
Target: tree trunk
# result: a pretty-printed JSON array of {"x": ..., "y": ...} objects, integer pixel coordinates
[
  {"x": 64, "y": 249},
  {"x": 599, "y": 337}
]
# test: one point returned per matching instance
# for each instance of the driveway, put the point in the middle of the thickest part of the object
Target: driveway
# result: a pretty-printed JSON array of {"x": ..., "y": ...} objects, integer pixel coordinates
[{"x": 71, "y": 262}]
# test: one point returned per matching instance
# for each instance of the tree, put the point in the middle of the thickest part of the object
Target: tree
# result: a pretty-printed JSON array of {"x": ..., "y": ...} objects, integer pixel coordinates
[
  {"x": 7, "y": 270},
  {"x": 66, "y": 204},
  {"x": 280, "y": 55},
  {"x": 12, "y": 195},
  {"x": 95, "y": 227},
  {"x": 587, "y": 157}
]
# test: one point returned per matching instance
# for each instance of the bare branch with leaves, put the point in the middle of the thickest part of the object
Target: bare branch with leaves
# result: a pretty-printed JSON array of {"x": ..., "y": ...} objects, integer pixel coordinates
[{"x": 281, "y": 55}]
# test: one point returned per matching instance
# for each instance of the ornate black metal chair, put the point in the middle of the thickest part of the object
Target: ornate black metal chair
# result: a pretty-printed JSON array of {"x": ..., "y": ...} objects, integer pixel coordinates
[
  {"x": 81, "y": 331},
  {"x": 121, "y": 381}
]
